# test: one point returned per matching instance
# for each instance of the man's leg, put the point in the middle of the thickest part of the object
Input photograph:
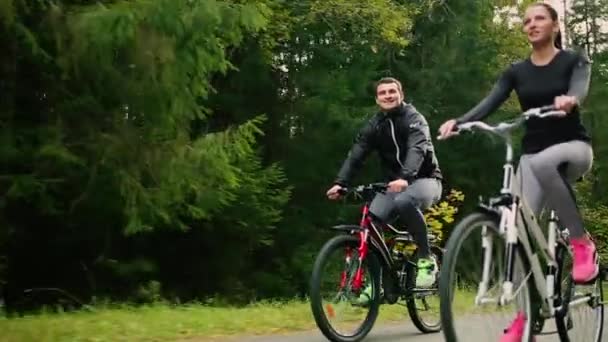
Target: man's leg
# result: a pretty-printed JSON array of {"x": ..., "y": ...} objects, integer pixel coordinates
[
  {"x": 409, "y": 204},
  {"x": 382, "y": 207}
]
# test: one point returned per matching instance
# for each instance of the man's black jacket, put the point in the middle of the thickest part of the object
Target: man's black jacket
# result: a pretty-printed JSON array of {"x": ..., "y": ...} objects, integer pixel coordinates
[{"x": 403, "y": 142}]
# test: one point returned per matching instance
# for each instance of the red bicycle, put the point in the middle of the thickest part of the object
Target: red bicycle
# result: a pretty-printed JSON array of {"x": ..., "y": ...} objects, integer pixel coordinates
[{"x": 364, "y": 266}]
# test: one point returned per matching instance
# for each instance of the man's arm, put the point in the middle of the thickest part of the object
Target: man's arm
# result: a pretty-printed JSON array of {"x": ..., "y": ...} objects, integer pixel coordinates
[
  {"x": 418, "y": 144},
  {"x": 356, "y": 156}
]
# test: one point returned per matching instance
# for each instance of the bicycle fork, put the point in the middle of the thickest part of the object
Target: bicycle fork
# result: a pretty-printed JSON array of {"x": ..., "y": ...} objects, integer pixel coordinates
[
  {"x": 358, "y": 281},
  {"x": 511, "y": 233},
  {"x": 507, "y": 227},
  {"x": 486, "y": 247}
]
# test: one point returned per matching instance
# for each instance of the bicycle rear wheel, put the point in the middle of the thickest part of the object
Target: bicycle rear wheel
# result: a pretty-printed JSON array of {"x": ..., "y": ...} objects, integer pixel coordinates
[
  {"x": 463, "y": 317},
  {"x": 584, "y": 320},
  {"x": 336, "y": 305},
  {"x": 423, "y": 304}
]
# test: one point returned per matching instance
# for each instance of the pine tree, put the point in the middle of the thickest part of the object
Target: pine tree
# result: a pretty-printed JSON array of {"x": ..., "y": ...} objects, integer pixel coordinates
[{"x": 587, "y": 24}]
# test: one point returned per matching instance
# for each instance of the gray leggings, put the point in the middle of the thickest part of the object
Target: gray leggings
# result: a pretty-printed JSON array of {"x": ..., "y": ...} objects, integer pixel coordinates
[
  {"x": 547, "y": 179},
  {"x": 408, "y": 205}
]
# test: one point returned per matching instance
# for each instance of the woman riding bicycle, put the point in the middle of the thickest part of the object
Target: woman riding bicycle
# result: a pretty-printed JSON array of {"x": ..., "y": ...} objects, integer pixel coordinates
[{"x": 556, "y": 150}]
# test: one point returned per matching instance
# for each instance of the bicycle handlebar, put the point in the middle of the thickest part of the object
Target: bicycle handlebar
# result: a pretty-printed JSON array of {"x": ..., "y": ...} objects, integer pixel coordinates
[
  {"x": 503, "y": 128},
  {"x": 365, "y": 190}
]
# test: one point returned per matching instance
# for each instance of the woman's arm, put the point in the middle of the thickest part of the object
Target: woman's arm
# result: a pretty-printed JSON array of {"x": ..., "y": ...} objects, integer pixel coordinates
[{"x": 499, "y": 94}]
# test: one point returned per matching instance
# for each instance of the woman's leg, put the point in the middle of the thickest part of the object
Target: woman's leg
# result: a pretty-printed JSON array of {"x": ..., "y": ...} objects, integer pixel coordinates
[{"x": 554, "y": 170}]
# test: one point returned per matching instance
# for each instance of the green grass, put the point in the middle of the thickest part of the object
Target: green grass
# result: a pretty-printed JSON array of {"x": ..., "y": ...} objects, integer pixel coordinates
[
  {"x": 166, "y": 323},
  {"x": 190, "y": 323}
]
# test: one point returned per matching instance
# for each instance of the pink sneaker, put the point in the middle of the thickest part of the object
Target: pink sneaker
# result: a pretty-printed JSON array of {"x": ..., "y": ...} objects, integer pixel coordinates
[
  {"x": 515, "y": 332},
  {"x": 585, "y": 266}
]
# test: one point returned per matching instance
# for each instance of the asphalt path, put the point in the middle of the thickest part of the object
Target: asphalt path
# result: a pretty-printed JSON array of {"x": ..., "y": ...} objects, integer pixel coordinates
[{"x": 397, "y": 332}]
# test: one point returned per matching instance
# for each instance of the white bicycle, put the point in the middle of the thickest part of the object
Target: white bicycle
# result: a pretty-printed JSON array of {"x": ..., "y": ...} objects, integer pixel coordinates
[{"x": 500, "y": 263}]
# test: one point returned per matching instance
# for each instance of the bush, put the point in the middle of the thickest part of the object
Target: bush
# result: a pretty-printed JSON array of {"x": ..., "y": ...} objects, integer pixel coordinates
[
  {"x": 595, "y": 217},
  {"x": 596, "y": 222},
  {"x": 440, "y": 217}
]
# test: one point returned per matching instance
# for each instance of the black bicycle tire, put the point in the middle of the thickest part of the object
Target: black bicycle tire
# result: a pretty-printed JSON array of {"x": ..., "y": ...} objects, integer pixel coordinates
[
  {"x": 452, "y": 247},
  {"x": 315, "y": 296},
  {"x": 561, "y": 320},
  {"x": 411, "y": 302}
]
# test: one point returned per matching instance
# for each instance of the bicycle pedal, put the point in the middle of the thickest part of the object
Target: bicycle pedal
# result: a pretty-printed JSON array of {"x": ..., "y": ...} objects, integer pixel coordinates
[{"x": 390, "y": 298}]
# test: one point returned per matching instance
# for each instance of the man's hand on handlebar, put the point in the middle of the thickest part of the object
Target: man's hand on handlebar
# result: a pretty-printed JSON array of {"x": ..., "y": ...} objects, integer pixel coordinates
[
  {"x": 397, "y": 185},
  {"x": 334, "y": 192}
]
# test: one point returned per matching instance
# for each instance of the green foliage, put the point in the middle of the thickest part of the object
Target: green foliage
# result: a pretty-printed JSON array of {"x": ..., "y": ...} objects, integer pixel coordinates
[
  {"x": 441, "y": 216},
  {"x": 354, "y": 24},
  {"x": 7, "y": 12},
  {"x": 595, "y": 216},
  {"x": 3, "y": 258},
  {"x": 181, "y": 149},
  {"x": 596, "y": 220},
  {"x": 149, "y": 292},
  {"x": 103, "y": 138},
  {"x": 585, "y": 34},
  {"x": 584, "y": 26}
]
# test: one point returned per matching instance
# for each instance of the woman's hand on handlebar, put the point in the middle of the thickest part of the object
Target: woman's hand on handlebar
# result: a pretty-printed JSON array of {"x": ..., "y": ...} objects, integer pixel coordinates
[
  {"x": 448, "y": 129},
  {"x": 565, "y": 103}
]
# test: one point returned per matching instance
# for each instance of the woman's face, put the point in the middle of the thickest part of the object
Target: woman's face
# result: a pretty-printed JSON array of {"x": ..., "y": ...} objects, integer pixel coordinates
[{"x": 539, "y": 26}]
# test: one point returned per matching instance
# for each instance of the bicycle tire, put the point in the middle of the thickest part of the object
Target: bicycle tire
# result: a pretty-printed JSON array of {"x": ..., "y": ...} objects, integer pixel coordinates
[
  {"x": 412, "y": 309},
  {"x": 453, "y": 246},
  {"x": 323, "y": 324},
  {"x": 561, "y": 320}
]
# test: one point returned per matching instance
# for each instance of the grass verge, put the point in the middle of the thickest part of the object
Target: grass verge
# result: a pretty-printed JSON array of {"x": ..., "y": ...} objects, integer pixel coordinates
[
  {"x": 193, "y": 323},
  {"x": 169, "y": 323}
]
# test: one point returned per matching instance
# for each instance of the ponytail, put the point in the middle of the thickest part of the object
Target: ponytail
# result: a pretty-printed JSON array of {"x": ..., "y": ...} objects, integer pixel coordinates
[
  {"x": 558, "y": 40},
  {"x": 555, "y": 17}
]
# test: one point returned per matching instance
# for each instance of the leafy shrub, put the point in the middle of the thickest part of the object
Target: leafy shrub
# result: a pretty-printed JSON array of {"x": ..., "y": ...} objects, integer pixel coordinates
[{"x": 440, "y": 217}]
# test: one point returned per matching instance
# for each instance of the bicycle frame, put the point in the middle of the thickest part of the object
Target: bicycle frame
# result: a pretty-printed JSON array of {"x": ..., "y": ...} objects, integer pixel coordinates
[
  {"x": 370, "y": 232},
  {"x": 517, "y": 223}
]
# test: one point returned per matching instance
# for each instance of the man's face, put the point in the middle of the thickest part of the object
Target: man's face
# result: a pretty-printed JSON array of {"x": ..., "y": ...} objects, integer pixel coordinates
[{"x": 388, "y": 96}]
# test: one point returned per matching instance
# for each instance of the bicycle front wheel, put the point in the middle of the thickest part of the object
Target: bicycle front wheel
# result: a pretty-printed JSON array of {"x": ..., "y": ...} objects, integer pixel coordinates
[
  {"x": 470, "y": 308},
  {"x": 342, "y": 312}
]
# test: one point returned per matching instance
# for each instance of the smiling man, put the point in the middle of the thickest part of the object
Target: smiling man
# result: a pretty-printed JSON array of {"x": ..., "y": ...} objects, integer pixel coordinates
[{"x": 400, "y": 135}]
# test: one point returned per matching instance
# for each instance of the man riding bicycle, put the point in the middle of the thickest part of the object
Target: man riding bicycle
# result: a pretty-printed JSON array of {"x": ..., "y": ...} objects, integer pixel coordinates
[{"x": 401, "y": 137}]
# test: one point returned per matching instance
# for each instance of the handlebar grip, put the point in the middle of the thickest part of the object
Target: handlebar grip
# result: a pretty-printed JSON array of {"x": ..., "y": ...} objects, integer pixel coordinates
[{"x": 547, "y": 108}]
